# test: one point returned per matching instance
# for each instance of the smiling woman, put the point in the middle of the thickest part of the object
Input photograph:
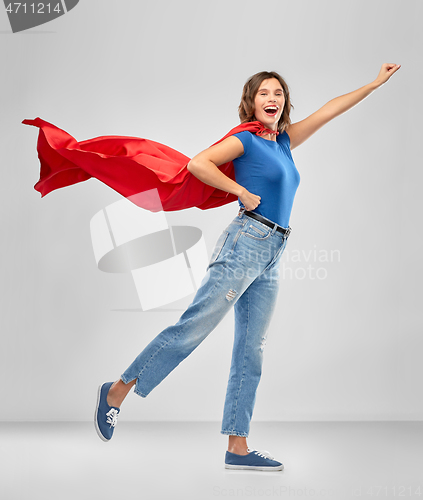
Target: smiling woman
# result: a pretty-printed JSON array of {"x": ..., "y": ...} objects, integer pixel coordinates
[
  {"x": 255, "y": 92},
  {"x": 243, "y": 271}
]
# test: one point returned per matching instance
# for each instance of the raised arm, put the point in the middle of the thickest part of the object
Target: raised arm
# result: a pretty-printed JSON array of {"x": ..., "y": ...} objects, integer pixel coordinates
[{"x": 301, "y": 131}]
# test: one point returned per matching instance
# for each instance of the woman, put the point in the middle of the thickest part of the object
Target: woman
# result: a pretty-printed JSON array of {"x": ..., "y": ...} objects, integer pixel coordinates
[{"x": 244, "y": 267}]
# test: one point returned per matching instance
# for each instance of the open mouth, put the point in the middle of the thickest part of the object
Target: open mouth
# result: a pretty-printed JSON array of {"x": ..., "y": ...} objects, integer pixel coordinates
[{"x": 271, "y": 110}]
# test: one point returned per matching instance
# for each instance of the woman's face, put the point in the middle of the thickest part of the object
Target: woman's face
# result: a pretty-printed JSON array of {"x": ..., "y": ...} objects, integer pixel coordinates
[{"x": 269, "y": 103}]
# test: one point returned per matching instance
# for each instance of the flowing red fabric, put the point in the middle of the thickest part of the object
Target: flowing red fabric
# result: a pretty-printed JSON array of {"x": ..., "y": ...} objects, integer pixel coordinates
[{"x": 131, "y": 166}]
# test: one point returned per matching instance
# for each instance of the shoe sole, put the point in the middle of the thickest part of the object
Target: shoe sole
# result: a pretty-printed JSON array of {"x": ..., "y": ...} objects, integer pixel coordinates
[
  {"x": 252, "y": 467},
  {"x": 100, "y": 435}
]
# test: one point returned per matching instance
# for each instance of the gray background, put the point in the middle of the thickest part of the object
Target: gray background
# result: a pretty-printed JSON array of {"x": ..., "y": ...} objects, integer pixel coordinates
[{"x": 347, "y": 347}]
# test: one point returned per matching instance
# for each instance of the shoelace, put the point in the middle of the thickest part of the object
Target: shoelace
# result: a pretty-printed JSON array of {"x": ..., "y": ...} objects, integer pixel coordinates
[
  {"x": 112, "y": 416},
  {"x": 262, "y": 453}
]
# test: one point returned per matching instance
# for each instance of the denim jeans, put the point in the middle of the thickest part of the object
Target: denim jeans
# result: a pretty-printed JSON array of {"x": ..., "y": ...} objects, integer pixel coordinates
[{"x": 243, "y": 272}]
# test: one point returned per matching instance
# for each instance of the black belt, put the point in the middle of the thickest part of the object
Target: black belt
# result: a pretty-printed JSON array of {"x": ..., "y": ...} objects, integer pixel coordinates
[{"x": 253, "y": 215}]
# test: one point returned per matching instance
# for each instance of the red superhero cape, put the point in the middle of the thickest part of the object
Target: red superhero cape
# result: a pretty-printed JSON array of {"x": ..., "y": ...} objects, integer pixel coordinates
[{"x": 130, "y": 166}]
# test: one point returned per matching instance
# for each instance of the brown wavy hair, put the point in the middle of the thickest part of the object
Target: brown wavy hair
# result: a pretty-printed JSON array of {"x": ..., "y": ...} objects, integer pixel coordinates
[{"x": 251, "y": 87}]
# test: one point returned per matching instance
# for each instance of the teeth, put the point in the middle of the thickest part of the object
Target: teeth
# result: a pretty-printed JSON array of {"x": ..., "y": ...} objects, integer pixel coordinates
[{"x": 273, "y": 108}]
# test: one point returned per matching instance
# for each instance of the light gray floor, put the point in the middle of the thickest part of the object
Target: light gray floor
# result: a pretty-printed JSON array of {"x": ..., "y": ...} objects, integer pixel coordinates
[{"x": 336, "y": 460}]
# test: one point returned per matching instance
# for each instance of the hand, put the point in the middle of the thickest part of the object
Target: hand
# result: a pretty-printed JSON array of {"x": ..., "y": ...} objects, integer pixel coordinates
[
  {"x": 249, "y": 200},
  {"x": 386, "y": 72}
]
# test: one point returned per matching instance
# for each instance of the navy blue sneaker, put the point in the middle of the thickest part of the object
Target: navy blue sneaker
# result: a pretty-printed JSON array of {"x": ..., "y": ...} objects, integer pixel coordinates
[
  {"x": 105, "y": 418},
  {"x": 255, "y": 460}
]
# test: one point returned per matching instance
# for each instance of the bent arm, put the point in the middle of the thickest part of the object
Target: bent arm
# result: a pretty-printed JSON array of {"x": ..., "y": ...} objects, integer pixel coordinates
[
  {"x": 302, "y": 130},
  {"x": 204, "y": 165}
]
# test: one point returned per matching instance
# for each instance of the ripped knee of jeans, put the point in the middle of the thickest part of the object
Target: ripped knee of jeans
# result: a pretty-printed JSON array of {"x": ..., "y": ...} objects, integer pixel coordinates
[
  {"x": 263, "y": 344},
  {"x": 230, "y": 295}
]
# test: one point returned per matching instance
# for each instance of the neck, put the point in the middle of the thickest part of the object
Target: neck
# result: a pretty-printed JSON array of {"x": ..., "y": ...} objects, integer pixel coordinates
[
  {"x": 269, "y": 137},
  {"x": 269, "y": 133}
]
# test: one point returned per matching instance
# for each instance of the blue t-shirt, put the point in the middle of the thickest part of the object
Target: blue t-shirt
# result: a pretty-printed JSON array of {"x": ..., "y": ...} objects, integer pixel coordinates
[{"x": 267, "y": 169}]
